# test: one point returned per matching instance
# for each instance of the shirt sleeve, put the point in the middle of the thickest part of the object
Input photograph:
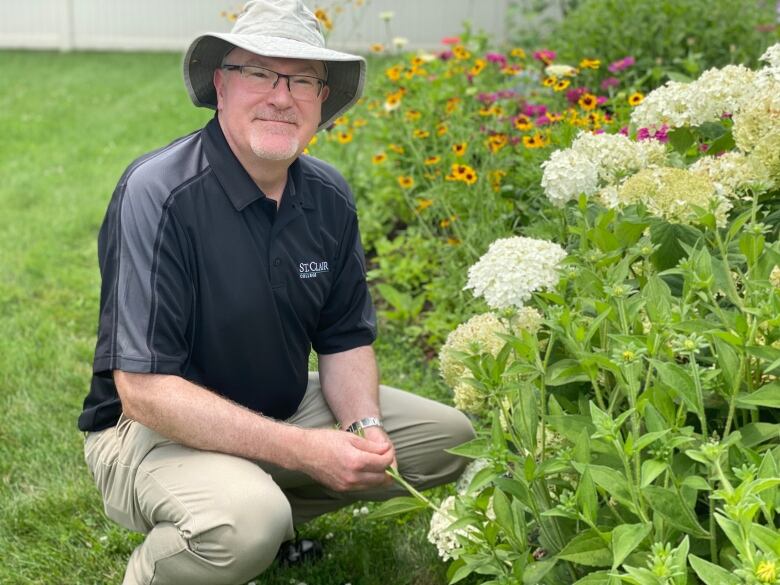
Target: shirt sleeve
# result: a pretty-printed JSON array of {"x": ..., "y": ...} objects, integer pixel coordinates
[
  {"x": 147, "y": 292},
  {"x": 348, "y": 319}
]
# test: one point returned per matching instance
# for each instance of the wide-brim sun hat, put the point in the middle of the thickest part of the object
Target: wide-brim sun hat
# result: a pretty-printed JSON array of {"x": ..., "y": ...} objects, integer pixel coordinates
[{"x": 275, "y": 28}]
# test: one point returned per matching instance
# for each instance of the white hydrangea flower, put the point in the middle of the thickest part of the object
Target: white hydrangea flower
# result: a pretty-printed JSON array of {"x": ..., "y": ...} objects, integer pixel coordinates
[
  {"x": 732, "y": 173},
  {"x": 772, "y": 56},
  {"x": 567, "y": 173},
  {"x": 464, "y": 481},
  {"x": 513, "y": 269},
  {"x": 596, "y": 162},
  {"x": 446, "y": 541},
  {"x": 715, "y": 93},
  {"x": 759, "y": 118},
  {"x": 774, "y": 277},
  {"x": 560, "y": 70}
]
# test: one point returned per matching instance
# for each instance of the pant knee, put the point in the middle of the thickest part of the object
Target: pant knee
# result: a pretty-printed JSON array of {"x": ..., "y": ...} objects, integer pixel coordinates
[{"x": 245, "y": 542}]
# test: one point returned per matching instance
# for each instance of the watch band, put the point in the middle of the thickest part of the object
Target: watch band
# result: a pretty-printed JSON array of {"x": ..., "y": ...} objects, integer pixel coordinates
[{"x": 369, "y": 421}]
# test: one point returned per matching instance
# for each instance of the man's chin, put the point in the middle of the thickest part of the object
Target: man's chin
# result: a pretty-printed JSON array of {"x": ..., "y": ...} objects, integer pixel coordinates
[{"x": 269, "y": 151}]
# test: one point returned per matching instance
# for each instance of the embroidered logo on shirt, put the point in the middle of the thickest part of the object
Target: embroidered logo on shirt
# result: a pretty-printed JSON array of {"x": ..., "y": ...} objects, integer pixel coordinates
[{"x": 312, "y": 269}]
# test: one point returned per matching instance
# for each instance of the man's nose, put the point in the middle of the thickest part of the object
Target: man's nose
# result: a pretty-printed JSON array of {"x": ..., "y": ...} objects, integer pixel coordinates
[{"x": 280, "y": 93}]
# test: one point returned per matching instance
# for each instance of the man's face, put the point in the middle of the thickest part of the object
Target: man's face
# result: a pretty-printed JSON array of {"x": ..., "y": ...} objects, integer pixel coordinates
[{"x": 272, "y": 125}]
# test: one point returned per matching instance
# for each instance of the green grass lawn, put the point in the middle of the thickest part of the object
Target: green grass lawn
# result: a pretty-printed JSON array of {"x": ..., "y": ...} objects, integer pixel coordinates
[{"x": 70, "y": 124}]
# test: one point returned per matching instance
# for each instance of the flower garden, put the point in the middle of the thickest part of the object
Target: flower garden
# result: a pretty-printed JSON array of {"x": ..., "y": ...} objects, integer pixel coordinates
[{"x": 592, "y": 259}]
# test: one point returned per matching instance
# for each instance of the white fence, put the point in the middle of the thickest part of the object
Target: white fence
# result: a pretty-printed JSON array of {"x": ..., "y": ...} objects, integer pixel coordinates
[{"x": 171, "y": 24}]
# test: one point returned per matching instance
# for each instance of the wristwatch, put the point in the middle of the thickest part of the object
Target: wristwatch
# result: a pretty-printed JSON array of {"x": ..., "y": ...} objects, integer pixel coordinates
[{"x": 363, "y": 423}]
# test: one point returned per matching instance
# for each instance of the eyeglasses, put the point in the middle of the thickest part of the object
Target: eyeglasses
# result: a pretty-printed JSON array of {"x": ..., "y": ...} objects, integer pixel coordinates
[{"x": 305, "y": 88}]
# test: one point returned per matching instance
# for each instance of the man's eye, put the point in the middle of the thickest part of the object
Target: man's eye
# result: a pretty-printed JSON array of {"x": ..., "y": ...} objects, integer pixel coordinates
[
  {"x": 304, "y": 81},
  {"x": 259, "y": 73}
]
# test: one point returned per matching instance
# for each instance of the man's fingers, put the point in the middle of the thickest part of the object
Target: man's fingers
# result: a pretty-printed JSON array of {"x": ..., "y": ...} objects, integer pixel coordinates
[{"x": 377, "y": 447}]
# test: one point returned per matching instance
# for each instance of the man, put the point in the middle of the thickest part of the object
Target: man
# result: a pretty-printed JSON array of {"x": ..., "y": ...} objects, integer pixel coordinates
[{"x": 225, "y": 257}]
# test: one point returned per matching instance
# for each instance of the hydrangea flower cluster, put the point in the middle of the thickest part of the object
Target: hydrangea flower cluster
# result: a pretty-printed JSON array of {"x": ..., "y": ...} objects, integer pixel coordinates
[
  {"x": 480, "y": 334},
  {"x": 513, "y": 269},
  {"x": 444, "y": 539},
  {"x": 673, "y": 194},
  {"x": 596, "y": 162},
  {"x": 732, "y": 173},
  {"x": 716, "y": 93}
]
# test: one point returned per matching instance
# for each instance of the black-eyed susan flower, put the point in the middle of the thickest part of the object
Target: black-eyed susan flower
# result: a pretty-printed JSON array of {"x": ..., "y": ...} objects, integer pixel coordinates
[
  {"x": 406, "y": 182},
  {"x": 496, "y": 142},
  {"x": 635, "y": 99},
  {"x": 394, "y": 73},
  {"x": 423, "y": 204},
  {"x": 432, "y": 160},
  {"x": 359, "y": 122},
  {"x": 377, "y": 48},
  {"x": 549, "y": 81},
  {"x": 313, "y": 140},
  {"x": 552, "y": 117},
  {"x": 393, "y": 102},
  {"x": 496, "y": 177},
  {"x": 588, "y": 101},
  {"x": 460, "y": 53},
  {"x": 453, "y": 241},
  {"x": 459, "y": 148},
  {"x": 344, "y": 137},
  {"x": 535, "y": 141},
  {"x": 441, "y": 129},
  {"x": 324, "y": 19},
  {"x": 341, "y": 121},
  {"x": 396, "y": 148},
  {"x": 452, "y": 104},
  {"x": 517, "y": 53},
  {"x": 511, "y": 69},
  {"x": 413, "y": 115},
  {"x": 379, "y": 158},
  {"x": 590, "y": 64},
  {"x": 523, "y": 123},
  {"x": 478, "y": 67},
  {"x": 561, "y": 84},
  {"x": 421, "y": 133}
]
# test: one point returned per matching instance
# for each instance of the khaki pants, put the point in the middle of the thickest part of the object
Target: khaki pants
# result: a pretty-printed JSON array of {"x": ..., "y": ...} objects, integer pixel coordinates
[{"x": 215, "y": 519}]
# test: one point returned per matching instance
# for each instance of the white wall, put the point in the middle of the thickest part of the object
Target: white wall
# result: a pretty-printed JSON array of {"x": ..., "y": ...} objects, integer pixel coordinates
[{"x": 171, "y": 24}]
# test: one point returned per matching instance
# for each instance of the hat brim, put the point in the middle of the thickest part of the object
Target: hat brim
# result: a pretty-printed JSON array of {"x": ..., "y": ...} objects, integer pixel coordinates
[{"x": 346, "y": 72}]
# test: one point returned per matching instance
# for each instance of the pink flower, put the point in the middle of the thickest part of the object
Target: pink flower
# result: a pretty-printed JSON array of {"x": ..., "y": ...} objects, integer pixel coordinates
[
  {"x": 532, "y": 110},
  {"x": 643, "y": 134},
  {"x": 601, "y": 100},
  {"x": 623, "y": 131},
  {"x": 446, "y": 55},
  {"x": 545, "y": 56},
  {"x": 496, "y": 58},
  {"x": 450, "y": 40},
  {"x": 704, "y": 147},
  {"x": 542, "y": 121},
  {"x": 574, "y": 95},
  {"x": 610, "y": 82},
  {"x": 621, "y": 64}
]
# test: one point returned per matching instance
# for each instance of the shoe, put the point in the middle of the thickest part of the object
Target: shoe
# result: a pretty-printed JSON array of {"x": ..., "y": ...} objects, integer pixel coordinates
[{"x": 299, "y": 551}]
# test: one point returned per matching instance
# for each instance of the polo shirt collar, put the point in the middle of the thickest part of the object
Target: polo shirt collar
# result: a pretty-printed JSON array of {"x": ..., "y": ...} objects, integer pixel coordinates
[{"x": 236, "y": 182}]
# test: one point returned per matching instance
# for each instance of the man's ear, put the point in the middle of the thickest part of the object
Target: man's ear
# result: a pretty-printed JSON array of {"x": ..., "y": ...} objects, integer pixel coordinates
[
  {"x": 324, "y": 93},
  {"x": 219, "y": 80}
]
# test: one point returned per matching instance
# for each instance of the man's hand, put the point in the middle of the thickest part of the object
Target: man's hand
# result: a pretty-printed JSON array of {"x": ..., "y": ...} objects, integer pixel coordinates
[
  {"x": 344, "y": 461},
  {"x": 378, "y": 435}
]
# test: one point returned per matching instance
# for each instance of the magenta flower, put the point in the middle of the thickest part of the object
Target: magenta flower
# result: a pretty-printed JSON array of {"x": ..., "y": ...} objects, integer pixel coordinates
[
  {"x": 600, "y": 100},
  {"x": 623, "y": 131},
  {"x": 610, "y": 82},
  {"x": 533, "y": 111},
  {"x": 446, "y": 55},
  {"x": 621, "y": 64},
  {"x": 496, "y": 58},
  {"x": 643, "y": 134},
  {"x": 574, "y": 95},
  {"x": 545, "y": 56},
  {"x": 542, "y": 121}
]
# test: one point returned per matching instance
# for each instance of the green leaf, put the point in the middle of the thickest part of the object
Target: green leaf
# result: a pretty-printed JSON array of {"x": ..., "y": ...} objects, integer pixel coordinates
[
  {"x": 696, "y": 482},
  {"x": 397, "y": 506},
  {"x": 751, "y": 245},
  {"x": 728, "y": 363},
  {"x": 658, "y": 299},
  {"x": 756, "y": 433},
  {"x": 679, "y": 381},
  {"x": 565, "y": 372},
  {"x": 766, "y": 538},
  {"x": 597, "y": 578},
  {"x": 767, "y": 395},
  {"x": 610, "y": 480},
  {"x": 722, "y": 144},
  {"x": 648, "y": 439},
  {"x": 712, "y": 574},
  {"x": 732, "y": 531},
  {"x": 669, "y": 238},
  {"x": 503, "y": 511},
  {"x": 670, "y": 505},
  {"x": 587, "y": 548},
  {"x": 535, "y": 572},
  {"x": 681, "y": 139},
  {"x": 474, "y": 449},
  {"x": 651, "y": 469},
  {"x": 625, "y": 538},
  {"x": 587, "y": 498}
]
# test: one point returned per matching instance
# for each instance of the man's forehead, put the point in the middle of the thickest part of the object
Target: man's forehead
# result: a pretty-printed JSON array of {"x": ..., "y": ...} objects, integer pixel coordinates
[{"x": 299, "y": 65}]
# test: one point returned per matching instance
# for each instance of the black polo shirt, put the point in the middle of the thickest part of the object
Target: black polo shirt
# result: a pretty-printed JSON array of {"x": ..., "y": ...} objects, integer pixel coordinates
[{"x": 203, "y": 278}]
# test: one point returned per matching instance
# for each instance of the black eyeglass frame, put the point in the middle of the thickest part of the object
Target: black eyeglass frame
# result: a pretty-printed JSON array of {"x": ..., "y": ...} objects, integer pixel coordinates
[{"x": 240, "y": 68}]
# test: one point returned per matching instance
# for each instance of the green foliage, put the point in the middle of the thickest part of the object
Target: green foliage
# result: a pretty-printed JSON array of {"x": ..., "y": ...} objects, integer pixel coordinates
[{"x": 683, "y": 36}]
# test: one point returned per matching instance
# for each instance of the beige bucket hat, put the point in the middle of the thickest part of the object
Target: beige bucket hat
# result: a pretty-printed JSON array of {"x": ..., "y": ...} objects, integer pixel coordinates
[{"x": 275, "y": 28}]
